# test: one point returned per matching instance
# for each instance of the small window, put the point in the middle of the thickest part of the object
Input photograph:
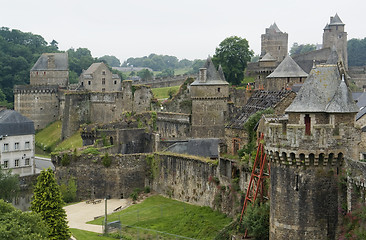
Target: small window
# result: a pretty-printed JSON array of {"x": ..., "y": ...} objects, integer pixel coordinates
[
  {"x": 16, "y": 146},
  {"x": 103, "y": 72},
  {"x": 103, "y": 81},
  {"x": 103, "y": 89},
  {"x": 26, "y": 162},
  {"x": 82, "y": 84},
  {"x": 218, "y": 89},
  {"x": 6, "y": 147},
  {"x": 279, "y": 47},
  {"x": 26, "y": 145},
  {"x": 89, "y": 82},
  {"x": 115, "y": 82},
  {"x": 16, "y": 163},
  {"x": 6, "y": 164}
]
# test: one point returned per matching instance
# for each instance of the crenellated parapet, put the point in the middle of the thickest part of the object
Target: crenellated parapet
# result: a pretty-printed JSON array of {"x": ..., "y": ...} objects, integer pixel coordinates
[{"x": 35, "y": 89}]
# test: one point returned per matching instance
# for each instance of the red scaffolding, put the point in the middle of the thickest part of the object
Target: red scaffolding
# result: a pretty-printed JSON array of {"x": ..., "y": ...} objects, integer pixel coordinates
[{"x": 261, "y": 171}]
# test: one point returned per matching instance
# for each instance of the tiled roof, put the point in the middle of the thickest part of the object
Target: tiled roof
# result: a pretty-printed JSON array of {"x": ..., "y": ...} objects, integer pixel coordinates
[
  {"x": 288, "y": 68},
  {"x": 323, "y": 91},
  {"x": 60, "y": 61}
]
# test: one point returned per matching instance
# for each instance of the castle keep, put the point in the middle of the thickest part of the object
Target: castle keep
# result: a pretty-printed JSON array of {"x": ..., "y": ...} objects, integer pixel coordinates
[
  {"x": 42, "y": 100},
  {"x": 307, "y": 149}
]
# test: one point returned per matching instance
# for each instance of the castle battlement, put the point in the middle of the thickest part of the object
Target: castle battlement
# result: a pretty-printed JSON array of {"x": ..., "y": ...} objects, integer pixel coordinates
[{"x": 32, "y": 89}]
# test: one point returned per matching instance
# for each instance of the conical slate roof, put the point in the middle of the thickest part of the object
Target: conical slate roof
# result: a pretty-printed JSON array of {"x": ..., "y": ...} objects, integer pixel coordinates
[
  {"x": 342, "y": 101},
  {"x": 288, "y": 68},
  {"x": 275, "y": 28},
  {"x": 267, "y": 58},
  {"x": 221, "y": 73},
  {"x": 213, "y": 77},
  {"x": 336, "y": 21},
  {"x": 323, "y": 91}
]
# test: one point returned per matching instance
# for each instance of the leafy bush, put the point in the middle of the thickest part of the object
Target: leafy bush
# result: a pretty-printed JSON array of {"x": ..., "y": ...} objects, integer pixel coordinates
[
  {"x": 68, "y": 190},
  {"x": 256, "y": 221},
  {"x": 147, "y": 189},
  {"x": 107, "y": 161},
  {"x": 91, "y": 150},
  {"x": 65, "y": 159}
]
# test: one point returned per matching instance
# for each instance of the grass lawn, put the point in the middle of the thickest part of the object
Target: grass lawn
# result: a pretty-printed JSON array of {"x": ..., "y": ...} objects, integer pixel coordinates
[
  {"x": 174, "y": 217},
  {"x": 49, "y": 137},
  {"x": 162, "y": 93},
  {"x": 86, "y": 235},
  {"x": 75, "y": 141}
]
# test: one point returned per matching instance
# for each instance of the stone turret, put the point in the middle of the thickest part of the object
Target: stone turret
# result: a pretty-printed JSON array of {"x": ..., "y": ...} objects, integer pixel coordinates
[
  {"x": 307, "y": 148},
  {"x": 335, "y": 36},
  {"x": 209, "y": 94},
  {"x": 275, "y": 42}
]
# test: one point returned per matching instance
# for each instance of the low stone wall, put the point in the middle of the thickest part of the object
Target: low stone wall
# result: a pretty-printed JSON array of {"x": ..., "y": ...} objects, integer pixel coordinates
[{"x": 218, "y": 184}]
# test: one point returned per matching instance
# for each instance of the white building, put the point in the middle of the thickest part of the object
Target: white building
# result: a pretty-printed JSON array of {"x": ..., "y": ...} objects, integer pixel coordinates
[{"x": 16, "y": 143}]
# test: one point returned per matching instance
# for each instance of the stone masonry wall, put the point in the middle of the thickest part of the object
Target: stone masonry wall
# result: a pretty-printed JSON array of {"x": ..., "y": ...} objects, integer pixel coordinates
[{"x": 186, "y": 178}]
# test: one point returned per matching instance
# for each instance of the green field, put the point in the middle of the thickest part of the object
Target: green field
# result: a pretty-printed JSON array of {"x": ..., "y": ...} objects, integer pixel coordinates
[
  {"x": 171, "y": 216},
  {"x": 163, "y": 93},
  {"x": 86, "y": 235},
  {"x": 49, "y": 139}
]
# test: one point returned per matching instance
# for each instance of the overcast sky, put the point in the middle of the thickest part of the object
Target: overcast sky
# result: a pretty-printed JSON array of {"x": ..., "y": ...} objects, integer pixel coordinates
[{"x": 189, "y": 29}]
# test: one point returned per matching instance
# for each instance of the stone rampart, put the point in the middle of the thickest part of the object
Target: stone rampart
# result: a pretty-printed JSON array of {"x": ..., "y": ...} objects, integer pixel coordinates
[{"x": 187, "y": 178}]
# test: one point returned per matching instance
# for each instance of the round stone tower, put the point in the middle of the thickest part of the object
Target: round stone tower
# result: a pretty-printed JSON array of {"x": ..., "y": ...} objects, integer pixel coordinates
[
  {"x": 209, "y": 94},
  {"x": 275, "y": 42},
  {"x": 307, "y": 148},
  {"x": 335, "y": 37}
]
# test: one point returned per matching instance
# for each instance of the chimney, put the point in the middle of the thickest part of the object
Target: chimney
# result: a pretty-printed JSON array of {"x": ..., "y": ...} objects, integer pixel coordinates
[
  {"x": 331, "y": 19},
  {"x": 51, "y": 62},
  {"x": 203, "y": 75}
]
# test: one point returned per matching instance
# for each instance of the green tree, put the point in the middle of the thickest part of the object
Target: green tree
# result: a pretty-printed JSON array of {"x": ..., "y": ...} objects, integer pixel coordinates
[
  {"x": 15, "y": 224},
  {"x": 47, "y": 201},
  {"x": 302, "y": 48},
  {"x": 110, "y": 60},
  {"x": 256, "y": 221},
  {"x": 356, "y": 52},
  {"x": 233, "y": 54},
  {"x": 9, "y": 185},
  {"x": 166, "y": 73},
  {"x": 145, "y": 74},
  {"x": 68, "y": 190}
]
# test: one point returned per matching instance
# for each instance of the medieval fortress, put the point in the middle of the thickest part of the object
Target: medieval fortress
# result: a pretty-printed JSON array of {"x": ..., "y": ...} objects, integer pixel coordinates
[{"x": 312, "y": 139}]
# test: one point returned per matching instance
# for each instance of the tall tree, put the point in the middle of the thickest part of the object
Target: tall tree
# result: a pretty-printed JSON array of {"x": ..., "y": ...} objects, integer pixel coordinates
[
  {"x": 233, "y": 54},
  {"x": 15, "y": 224},
  {"x": 356, "y": 52},
  {"x": 112, "y": 61},
  {"x": 302, "y": 48},
  {"x": 48, "y": 203},
  {"x": 9, "y": 185}
]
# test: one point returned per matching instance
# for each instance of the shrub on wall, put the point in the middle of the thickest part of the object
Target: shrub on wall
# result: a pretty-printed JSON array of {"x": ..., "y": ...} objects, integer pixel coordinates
[
  {"x": 65, "y": 159},
  {"x": 106, "y": 160}
]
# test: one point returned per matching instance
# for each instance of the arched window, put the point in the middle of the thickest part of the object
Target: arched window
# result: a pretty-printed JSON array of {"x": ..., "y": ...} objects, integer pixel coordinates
[
  {"x": 111, "y": 140},
  {"x": 302, "y": 158},
  {"x": 321, "y": 159},
  {"x": 292, "y": 157},
  {"x": 284, "y": 156}
]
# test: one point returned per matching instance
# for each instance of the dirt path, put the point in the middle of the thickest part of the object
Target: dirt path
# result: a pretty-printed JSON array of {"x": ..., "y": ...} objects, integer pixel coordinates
[{"x": 80, "y": 213}]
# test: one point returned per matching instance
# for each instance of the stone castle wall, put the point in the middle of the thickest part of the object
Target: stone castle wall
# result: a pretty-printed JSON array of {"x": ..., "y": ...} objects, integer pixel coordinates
[
  {"x": 173, "y": 125},
  {"x": 50, "y": 77},
  {"x": 38, "y": 103},
  {"x": 182, "y": 177}
]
